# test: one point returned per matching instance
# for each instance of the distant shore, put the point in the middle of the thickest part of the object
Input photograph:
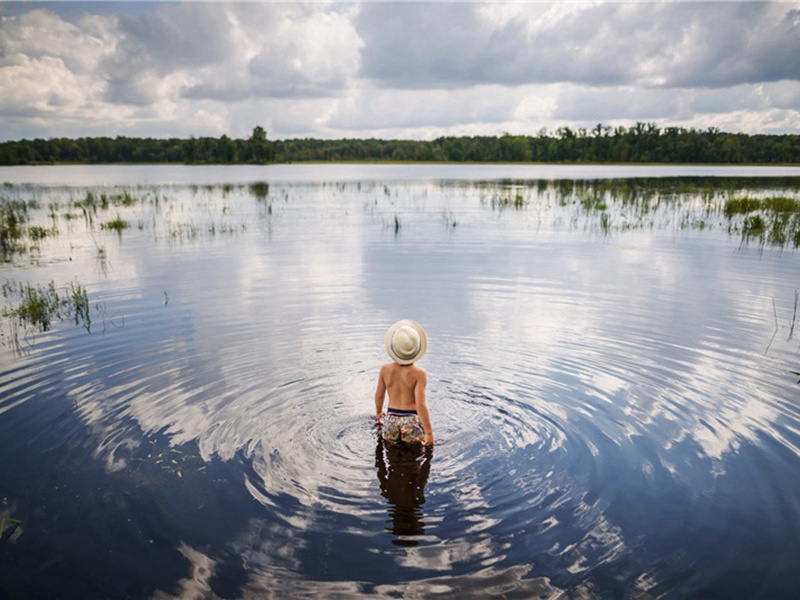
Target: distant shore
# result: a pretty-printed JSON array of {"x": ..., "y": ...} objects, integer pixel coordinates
[{"x": 643, "y": 144}]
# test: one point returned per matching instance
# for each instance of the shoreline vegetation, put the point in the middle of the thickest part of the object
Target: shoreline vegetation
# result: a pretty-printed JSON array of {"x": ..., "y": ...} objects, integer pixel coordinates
[{"x": 644, "y": 143}]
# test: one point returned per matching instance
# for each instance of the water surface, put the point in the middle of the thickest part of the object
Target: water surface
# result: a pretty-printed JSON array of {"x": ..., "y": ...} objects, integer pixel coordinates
[{"x": 614, "y": 397}]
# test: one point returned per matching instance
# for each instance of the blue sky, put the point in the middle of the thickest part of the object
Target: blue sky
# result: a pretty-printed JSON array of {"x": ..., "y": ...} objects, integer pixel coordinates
[{"x": 394, "y": 69}]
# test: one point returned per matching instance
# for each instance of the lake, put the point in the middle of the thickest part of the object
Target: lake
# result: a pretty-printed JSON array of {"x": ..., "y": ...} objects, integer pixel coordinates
[{"x": 612, "y": 367}]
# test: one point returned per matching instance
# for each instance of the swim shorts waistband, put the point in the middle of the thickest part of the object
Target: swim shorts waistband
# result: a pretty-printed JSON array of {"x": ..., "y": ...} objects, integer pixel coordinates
[{"x": 398, "y": 412}]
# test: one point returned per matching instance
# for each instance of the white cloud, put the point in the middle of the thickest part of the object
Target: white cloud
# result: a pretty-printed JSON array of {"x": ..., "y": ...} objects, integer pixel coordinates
[
  {"x": 370, "y": 109},
  {"x": 604, "y": 43},
  {"x": 395, "y": 69}
]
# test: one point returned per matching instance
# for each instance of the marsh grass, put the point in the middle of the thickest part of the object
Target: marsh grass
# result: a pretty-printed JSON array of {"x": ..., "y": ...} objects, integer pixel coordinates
[
  {"x": 118, "y": 225},
  {"x": 13, "y": 217},
  {"x": 747, "y": 205},
  {"x": 593, "y": 202},
  {"x": 36, "y": 233},
  {"x": 509, "y": 200},
  {"x": 762, "y": 210},
  {"x": 260, "y": 190},
  {"x": 37, "y": 306},
  {"x": 774, "y": 220}
]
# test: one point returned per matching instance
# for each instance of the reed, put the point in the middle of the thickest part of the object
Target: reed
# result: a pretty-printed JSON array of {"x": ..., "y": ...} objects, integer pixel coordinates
[
  {"x": 37, "y": 233},
  {"x": 516, "y": 200},
  {"x": 741, "y": 206},
  {"x": 38, "y": 306},
  {"x": 13, "y": 216},
  {"x": 117, "y": 225},
  {"x": 260, "y": 190},
  {"x": 774, "y": 204},
  {"x": 593, "y": 202},
  {"x": 774, "y": 220}
]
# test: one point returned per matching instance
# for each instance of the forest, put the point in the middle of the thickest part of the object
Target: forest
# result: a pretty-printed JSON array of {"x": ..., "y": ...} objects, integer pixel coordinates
[{"x": 641, "y": 143}]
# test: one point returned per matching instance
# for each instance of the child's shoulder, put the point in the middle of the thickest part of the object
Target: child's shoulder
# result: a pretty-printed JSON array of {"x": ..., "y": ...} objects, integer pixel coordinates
[{"x": 419, "y": 372}]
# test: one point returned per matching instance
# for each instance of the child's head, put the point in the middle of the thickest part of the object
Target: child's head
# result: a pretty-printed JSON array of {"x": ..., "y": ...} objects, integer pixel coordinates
[{"x": 405, "y": 342}]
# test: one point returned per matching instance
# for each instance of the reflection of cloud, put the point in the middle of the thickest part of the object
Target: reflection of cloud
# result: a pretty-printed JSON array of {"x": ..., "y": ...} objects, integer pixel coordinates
[
  {"x": 489, "y": 582},
  {"x": 97, "y": 410},
  {"x": 197, "y": 584},
  {"x": 602, "y": 543},
  {"x": 446, "y": 555},
  {"x": 268, "y": 349}
]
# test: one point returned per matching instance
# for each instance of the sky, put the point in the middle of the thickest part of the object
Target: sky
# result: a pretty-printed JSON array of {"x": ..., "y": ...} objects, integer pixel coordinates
[{"x": 394, "y": 70}]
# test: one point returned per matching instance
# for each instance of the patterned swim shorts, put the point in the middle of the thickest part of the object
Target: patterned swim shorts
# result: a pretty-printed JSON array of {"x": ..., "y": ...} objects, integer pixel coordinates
[{"x": 402, "y": 426}]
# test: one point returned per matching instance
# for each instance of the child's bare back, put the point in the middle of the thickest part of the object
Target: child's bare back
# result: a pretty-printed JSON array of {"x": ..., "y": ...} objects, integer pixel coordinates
[{"x": 407, "y": 417}]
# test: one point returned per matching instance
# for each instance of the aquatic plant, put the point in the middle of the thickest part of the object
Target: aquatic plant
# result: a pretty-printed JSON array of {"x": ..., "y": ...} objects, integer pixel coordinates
[
  {"x": 517, "y": 201},
  {"x": 753, "y": 226},
  {"x": 13, "y": 215},
  {"x": 39, "y": 305},
  {"x": 125, "y": 199},
  {"x": 741, "y": 206},
  {"x": 746, "y": 205},
  {"x": 117, "y": 225},
  {"x": 776, "y": 219},
  {"x": 88, "y": 206},
  {"x": 605, "y": 223},
  {"x": 37, "y": 233},
  {"x": 593, "y": 202},
  {"x": 259, "y": 189}
]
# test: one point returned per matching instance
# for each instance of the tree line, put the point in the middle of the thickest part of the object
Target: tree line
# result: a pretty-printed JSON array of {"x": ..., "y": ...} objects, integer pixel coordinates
[{"x": 641, "y": 143}]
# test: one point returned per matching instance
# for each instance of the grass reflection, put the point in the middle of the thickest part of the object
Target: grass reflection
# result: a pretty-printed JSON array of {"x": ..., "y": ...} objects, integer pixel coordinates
[{"x": 762, "y": 210}]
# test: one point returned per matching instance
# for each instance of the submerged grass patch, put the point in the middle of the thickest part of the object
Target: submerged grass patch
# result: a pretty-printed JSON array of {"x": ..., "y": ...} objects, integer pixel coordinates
[
  {"x": 37, "y": 233},
  {"x": 13, "y": 216},
  {"x": 746, "y": 205},
  {"x": 117, "y": 225},
  {"x": 38, "y": 306},
  {"x": 516, "y": 200},
  {"x": 774, "y": 220}
]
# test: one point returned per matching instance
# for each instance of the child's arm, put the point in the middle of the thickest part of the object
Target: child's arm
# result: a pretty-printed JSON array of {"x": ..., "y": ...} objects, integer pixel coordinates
[
  {"x": 380, "y": 395},
  {"x": 421, "y": 401}
]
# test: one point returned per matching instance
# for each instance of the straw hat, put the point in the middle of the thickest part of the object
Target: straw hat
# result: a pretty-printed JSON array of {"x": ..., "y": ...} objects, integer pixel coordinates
[{"x": 405, "y": 342}]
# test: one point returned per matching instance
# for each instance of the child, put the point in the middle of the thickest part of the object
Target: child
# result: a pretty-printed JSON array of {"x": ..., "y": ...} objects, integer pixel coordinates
[{"x": 407, "y": 418}]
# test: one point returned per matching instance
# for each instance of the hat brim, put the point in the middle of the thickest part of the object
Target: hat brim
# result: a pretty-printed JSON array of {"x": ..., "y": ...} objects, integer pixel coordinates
[{"x": 423, "y": 342}]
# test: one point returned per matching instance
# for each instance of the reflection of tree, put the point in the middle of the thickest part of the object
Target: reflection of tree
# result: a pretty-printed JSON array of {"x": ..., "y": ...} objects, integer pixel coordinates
[{"x": 403, "y": 471}]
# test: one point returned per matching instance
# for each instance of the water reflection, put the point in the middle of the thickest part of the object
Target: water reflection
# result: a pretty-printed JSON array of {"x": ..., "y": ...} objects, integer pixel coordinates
[
  {"x": 607, "y": 415},
  {"x": 403, "y": 471}
]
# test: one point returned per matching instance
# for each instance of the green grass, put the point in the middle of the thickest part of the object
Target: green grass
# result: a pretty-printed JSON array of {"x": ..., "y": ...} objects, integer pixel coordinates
[
  {"x": 776, "y": 220},
  {"x": 782, "y": 204},
  {"x": 592, "y": 202},
  {"x": 517, "y": 201},
  {"x": 38, "y": 306},
  {"x": 746, "y": 205},
  {"x": 13, "y": 216},
  {"x": 37, "y": 233},
  {"x": 117, "y": 225},
  {"x": 260, "y": 190}
]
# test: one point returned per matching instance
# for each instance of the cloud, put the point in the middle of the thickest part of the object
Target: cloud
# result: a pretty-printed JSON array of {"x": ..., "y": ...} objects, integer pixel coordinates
[
  {"x": 394, "y": 69},
  {"x": 732, "y": 108},
  {"x": 39, "y": 33},
  {"x": 601, "y": 44},
  {"x": 230, "y": 52},
  {"x": 42, "y": 74},
  {"x": 380, "y": 108}
]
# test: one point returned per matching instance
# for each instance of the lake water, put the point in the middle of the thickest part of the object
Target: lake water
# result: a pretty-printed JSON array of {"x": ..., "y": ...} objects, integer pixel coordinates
[{"x": 612, "y": 378}]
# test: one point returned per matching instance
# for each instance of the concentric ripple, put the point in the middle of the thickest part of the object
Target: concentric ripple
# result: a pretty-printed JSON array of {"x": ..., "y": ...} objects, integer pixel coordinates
[{"x": 614, "y": 415}]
